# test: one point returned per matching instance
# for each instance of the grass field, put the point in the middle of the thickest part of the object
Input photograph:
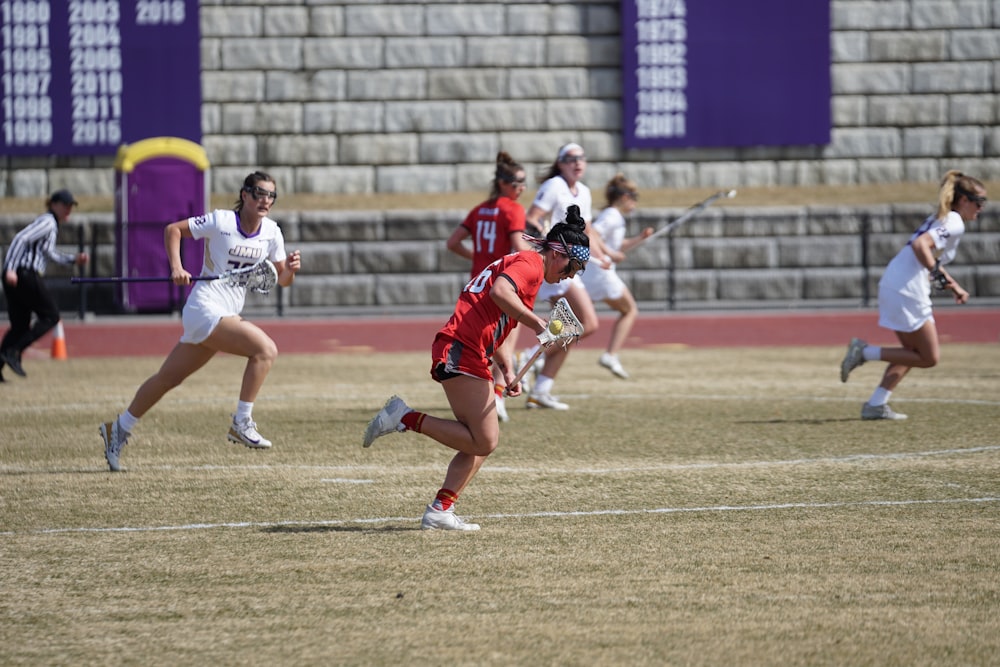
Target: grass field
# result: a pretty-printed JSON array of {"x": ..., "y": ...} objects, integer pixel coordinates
[{"x": 723, "y": 507}]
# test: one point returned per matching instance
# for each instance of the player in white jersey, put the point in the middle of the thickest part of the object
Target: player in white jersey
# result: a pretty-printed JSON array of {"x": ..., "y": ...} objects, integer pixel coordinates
[
  {"x": 904, "y": 292},
  {"x": 212, "y": 323},
  {"x": 561, "y": 188},
  {"x": 604, "y": 283}
]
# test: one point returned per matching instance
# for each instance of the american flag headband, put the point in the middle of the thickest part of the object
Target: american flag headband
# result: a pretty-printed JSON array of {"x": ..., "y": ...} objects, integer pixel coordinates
[{"x": 580, "y": 253}]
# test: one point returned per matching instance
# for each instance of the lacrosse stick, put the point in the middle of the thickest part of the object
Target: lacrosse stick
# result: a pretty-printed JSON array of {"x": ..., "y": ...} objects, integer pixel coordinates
[
  {"x": 261, "y": 277},
  {"x": 690, "y": 213},
  {"x": 563, "y": 328}
]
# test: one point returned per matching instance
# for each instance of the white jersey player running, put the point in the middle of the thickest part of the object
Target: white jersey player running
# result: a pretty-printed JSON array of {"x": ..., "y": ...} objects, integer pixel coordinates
[
  {"x": 562, "y": 188},
  {"x": 904, "y": 293},
  {"x": 603, "y": 283},
  {"x": 212, "y": 322}
]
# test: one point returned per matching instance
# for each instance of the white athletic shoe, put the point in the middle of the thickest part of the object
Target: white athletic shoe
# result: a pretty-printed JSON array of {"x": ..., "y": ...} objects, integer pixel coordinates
[
  {"x": 115, "y": 437},
  {"x": 388, "y": 420},
  {"x": 502, "y": 410},
  {"x": 611, "y": 362},
  {"x": 869, "y": 411},
  {"x": 545, "y": 401},
  {"x": 245, "y": 433},
  {"x": 444, "y": 520},
  {"x": 854, "y": 358}
]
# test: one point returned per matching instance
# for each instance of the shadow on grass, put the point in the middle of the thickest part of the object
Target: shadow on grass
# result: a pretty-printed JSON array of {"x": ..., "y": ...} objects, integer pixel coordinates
[
  {"x": 817, "y": 422},
  {"x": 340, "y": 529}
]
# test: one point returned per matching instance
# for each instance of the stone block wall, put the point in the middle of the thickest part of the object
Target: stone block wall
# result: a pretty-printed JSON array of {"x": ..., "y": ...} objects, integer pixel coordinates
[
  {"x": 801, "y": 256},
  {"x": 371, "y": 96}
]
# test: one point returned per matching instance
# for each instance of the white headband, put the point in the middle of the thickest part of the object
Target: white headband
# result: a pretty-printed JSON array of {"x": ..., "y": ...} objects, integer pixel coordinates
[{"x": 566, "y": 149}]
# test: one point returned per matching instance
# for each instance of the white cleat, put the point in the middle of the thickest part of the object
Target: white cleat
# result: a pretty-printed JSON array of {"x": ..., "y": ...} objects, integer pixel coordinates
[
  {"x": 388, "y": 420},
  {"x": 854, "y": 357},
  {"x": 444, "y": 520},
  {"x": 114, "y": 439},
  {"x": 869, "y": 411},
  {"x": 245, "y": 433},
  {"x": 545, "y": 401},
  {"x": 611, "y": 362}
]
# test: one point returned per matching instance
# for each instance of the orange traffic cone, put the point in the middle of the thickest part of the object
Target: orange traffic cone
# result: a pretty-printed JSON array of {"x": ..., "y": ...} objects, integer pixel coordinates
[{"x": 59, "y": 343}]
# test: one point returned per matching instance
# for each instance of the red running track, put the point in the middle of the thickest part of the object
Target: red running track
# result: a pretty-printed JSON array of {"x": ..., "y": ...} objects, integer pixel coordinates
[{"x": 125, "y": 336}]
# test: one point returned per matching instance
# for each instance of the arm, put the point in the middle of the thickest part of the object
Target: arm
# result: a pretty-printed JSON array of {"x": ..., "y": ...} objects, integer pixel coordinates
[
  {"x": 172, "y": 235},
  {"x": 504, "y": 294},
  {"x": 288, "y": 267},
  {"x": 923, "y": 248},
  {"x": 456, "y": 245},
  {"x": 633, "y": 241}
]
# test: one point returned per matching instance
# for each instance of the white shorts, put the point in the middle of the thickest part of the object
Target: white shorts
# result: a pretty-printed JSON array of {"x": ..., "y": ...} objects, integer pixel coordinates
[
  {"x": 902, "y": 312},
  {"x": 201, "y": 315},
  {"x": 603, "y": 284},
  {"x": 551, "y": 291}
]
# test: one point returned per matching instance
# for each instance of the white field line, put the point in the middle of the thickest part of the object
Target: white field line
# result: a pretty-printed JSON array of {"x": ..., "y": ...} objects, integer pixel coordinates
[
  {"x": 526, "y": 515},
  {"x": 581, "y": 471}
]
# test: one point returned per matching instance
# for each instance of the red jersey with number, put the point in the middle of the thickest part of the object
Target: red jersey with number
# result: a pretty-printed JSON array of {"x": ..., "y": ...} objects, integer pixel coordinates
[
  {"x": 490, "y": 224},
  {"x": 477, "y": 327}
]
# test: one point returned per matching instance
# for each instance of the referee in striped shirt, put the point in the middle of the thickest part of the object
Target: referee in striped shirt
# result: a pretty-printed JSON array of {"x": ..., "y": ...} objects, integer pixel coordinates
[{"x": 26, "y": 293}]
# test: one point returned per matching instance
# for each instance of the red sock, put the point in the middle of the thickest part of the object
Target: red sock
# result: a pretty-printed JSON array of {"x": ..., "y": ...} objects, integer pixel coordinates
[
  {"x": 413, "y": 420},
  {"x": 444, "y": 500}
]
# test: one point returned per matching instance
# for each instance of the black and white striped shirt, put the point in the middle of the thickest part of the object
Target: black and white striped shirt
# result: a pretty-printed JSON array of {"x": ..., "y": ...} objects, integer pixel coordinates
[{"x": 34, "y": 245}]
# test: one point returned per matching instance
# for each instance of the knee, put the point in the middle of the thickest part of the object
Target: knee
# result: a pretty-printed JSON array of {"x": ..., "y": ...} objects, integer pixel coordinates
[
  {"x": 486, "y": 447},
  {"x": 268, "y": 352}
]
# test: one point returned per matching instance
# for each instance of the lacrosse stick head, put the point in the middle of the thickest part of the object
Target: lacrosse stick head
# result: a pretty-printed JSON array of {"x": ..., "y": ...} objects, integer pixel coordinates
[
  {"x": 569, "y": 328},
  {"x": 261, "y": 277}
]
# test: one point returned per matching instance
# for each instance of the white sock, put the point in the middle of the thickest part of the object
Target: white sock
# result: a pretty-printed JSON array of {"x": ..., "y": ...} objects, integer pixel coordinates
[
  {"x": 872, "y": 353},
  {"x": 543, "y": 385},
  {"x": 127, "y": 421},
  {"x": 879, "y": 397},
  {"x": 243, "y": 411}
]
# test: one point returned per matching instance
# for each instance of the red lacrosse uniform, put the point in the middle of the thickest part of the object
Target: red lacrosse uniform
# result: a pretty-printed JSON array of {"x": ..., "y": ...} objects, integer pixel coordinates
[
  {"x": 490, "y": 225},
  {"x": 466, "y": 344}
]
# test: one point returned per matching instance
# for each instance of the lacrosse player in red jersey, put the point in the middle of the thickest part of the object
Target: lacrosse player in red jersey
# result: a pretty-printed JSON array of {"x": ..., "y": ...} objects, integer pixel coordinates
[
  {"x": 490, "y": 306},
  {"x": 904, "y": 293},
  {"x": 496, "y": 227},
  {"x": 243, "y": 236}
]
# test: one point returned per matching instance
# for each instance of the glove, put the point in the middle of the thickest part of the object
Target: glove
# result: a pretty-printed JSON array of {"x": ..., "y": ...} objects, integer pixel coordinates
[
  {"x": 938, "y": 278},
  {"x": 546, "y": 338}
]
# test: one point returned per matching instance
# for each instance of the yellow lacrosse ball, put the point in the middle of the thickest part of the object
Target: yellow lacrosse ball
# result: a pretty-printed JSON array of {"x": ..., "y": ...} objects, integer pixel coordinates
[{"x": 555, "y": 327}]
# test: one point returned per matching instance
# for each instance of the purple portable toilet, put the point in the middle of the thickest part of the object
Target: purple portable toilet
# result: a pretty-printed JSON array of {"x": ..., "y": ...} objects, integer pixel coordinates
[{"x": 157, "y": 181}]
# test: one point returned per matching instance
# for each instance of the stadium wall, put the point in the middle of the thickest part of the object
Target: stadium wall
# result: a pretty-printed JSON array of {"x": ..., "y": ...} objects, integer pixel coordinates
[{"x": 383, "y": 97}]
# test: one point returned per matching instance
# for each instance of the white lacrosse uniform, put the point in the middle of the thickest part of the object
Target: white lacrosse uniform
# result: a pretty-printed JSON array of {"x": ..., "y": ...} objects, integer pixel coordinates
[
  {"x": 226, "y": 247},
  {"x": 904, "y": 292},
  {"x": 604, "y": 283},
  {"x": 554, "y": 197}
]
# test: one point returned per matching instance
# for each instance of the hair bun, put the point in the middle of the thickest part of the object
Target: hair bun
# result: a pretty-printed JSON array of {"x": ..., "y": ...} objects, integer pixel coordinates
[{"x": 573, "y": 216}]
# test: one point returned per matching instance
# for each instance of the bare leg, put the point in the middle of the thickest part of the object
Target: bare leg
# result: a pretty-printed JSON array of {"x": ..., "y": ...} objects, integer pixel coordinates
[
  {"x": 625, "y": 305},
  {"x": 920, "y": 349},
  {"x": 474, "y": 433},
  {"x": 237, "y": 336},
  {"x": 182, "y": 361}
]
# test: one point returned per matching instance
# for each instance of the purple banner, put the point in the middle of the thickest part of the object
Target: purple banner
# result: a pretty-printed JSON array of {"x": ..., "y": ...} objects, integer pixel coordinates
[
  {"x": 725, "y": 73},
  {"x": 83, "y": 77}
]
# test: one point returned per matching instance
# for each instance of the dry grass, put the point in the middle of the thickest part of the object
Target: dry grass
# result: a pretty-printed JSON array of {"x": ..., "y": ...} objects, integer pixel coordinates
[
  {"x": 722, "y": 507},
  {"x": 888, "y": 193}
]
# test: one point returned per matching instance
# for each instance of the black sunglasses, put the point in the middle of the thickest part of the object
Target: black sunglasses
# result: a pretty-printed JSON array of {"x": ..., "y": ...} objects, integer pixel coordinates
[
  {"x": 977, "y": 200},
  {"x": 257, "y": 192}
]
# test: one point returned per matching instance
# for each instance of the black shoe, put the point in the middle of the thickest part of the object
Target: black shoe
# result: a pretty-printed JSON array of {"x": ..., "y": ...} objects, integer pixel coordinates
[{"x": 13, "y": 359}]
